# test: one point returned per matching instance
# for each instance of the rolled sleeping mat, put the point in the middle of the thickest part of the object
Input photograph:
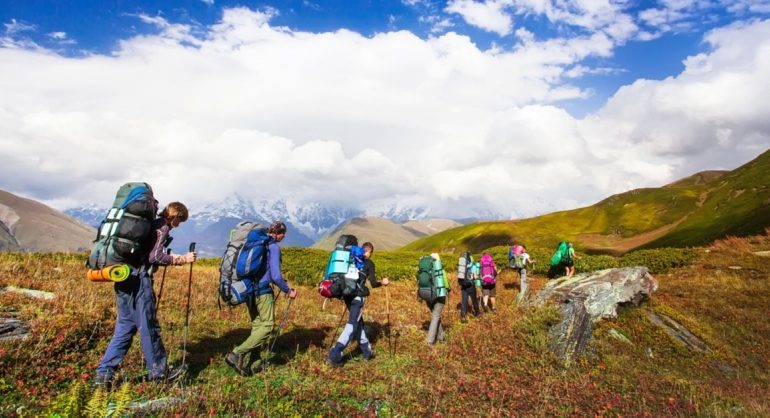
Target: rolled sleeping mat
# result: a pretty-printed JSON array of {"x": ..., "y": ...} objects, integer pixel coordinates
[{"x": 116, "y": 273}]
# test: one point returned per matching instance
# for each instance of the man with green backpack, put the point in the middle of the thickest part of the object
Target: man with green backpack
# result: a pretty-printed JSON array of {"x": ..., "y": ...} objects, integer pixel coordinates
[{"x": 433, "y": 288}]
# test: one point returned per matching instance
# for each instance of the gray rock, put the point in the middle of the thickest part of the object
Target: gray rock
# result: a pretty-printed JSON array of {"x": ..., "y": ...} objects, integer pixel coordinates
[
  {"x": 678, "y": 332},
  {"x": 588, "y": 298},
  {"x": 13, "y": 329}
]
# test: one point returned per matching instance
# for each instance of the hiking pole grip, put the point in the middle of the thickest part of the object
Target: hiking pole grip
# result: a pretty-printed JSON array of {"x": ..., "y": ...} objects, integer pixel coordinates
[{"x": 192, "y": 247}]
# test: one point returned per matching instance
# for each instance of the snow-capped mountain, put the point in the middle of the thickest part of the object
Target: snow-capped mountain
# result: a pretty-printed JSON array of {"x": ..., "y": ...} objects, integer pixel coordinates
[
  {"x": 210, "y": 226},
  {"x": 90, "y": 215}
]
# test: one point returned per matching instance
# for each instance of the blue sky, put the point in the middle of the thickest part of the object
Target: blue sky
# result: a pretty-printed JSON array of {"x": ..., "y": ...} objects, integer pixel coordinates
[{"x": 614, "y": 94}]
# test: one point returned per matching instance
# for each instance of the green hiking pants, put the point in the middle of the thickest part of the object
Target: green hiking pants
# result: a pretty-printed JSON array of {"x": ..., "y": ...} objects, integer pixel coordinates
[{"x": 262, "y": 313}]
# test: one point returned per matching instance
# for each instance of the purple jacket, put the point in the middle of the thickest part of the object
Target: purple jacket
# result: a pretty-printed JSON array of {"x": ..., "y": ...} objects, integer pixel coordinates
[
  {"x": 273, "y": 272},
  {"x": 157, "y": 255}
]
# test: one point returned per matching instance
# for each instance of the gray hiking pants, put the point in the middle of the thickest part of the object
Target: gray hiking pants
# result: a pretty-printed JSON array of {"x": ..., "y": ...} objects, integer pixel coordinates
[
  {"x": 523, "y": 287},
  {"x": 436, "y": 329}
]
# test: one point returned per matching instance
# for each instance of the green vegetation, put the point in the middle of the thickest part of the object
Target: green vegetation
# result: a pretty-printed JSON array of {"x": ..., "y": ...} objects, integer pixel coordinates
[{"x": 692, "y": 211}]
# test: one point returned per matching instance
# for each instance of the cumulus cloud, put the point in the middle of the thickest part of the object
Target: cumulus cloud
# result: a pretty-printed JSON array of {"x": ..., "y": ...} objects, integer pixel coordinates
[
  {"x": 366, "y": 122},
  {"x": 489, "y": 15}
]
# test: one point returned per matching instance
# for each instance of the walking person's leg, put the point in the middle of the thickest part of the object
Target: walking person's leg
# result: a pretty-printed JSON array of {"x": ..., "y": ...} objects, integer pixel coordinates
[
  {"x": 355, "y": 307},
  {"x": 435, "y": 329},
  {"x": 475, "y": 301},
  {"x": 464, "y": 303},
  {"x": 262, "y": 313},
  {"x": 523, "y": 286},
  {"x": 125, "y": 328},
  {"x": 149, "y": 329}
]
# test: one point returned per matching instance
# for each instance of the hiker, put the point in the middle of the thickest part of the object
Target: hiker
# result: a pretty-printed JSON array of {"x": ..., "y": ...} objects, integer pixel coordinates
[
  {"x": 476, "y": 272},
  {"x": 354, "y": 328},
  {"x": 465, "y": 280},
  {"x": 436, "y": 304},
  {"x": 246, "y": 358},
  {"x": 519, "y": 258},
  {"x": 136, "y": 303},
  {"x": 570, "y": 262},
  {"x": 488, "y": 282}
]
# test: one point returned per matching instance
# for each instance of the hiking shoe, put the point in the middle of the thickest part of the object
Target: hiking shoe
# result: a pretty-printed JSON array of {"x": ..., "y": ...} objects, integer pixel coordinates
[
  {"x": 463, "y": 319},
  {"x": 235, "y": 361},
  {"x": 172, "y": 375},
  {"x": 103, "y": 381}
]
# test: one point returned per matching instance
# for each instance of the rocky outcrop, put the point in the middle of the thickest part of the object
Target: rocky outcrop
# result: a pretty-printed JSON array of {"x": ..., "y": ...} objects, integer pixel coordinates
[{"x": 588, "y": 298}]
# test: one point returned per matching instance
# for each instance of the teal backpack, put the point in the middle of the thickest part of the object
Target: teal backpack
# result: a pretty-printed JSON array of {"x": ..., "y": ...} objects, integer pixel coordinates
[
  {"x": 426, "y": 285},
  {"x": 122, "y": 237},
  {"x": 561, "y": 255}
]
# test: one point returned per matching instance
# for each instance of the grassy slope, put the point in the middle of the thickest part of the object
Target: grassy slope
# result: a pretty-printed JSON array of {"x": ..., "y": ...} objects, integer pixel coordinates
[
  {"x": 496, "y": 365},
  {"x": 692, "y": 211}
]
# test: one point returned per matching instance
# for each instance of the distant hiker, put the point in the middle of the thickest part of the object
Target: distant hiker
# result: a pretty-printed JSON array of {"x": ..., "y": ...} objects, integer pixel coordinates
[
  {"x": 433, "y": 288},
  {"x": 562, "y": 260},
  {"x": 354, "y": 328},
  {"x": 136, "y": 307},
  {"x": 571, "y": 261},
  {"x": 465, "y": 280},
  {"x": 246, "y": 358},
  {"x": 476, "y": 272},
  {"x": 488, "y": 281},
  {"x": 518, "y": 260}
]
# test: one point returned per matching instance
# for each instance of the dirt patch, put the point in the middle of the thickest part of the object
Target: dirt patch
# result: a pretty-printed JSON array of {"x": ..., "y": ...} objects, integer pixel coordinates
[{"x": 614, "y": 244}]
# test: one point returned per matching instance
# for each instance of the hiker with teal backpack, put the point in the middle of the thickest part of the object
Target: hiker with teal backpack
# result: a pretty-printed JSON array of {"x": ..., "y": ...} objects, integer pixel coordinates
[
  {"x": 561, "y": 261},
  {"x": 246, "y": 359},
  {"x": 465, "y": 280},
  {"x": 488, "y": 282},
  {"x": 571, "y": 261},
  {"x": 518, "y": 258},
  {"x": 131, "y": 234},
  {"x": 363, "y": 267},
  {"x": 433, "y": 288}
]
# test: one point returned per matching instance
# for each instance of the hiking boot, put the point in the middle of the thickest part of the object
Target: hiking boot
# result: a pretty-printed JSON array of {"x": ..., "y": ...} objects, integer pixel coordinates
[
  {"x": 486, "y": 308},
  {"x": 236, "y": 362},
  {"x": 492, "y": 308},
  {"x": 103, "y": 381},
  {"x": 172, "y": 375},
  {"x": 366, "y": 349},
  {"x": 463, "y": 319}
]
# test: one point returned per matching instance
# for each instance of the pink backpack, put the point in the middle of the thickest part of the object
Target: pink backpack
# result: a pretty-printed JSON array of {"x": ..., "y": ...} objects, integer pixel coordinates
[
  {"x": 518, "y": 249},
  {"x": 487, "y": 269}
]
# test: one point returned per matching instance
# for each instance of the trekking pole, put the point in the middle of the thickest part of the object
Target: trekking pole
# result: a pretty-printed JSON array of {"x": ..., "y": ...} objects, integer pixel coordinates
[
  {"x": 277, "y": 333},
  {"x": 187, "y": 309},
  {"x": 387, "y": 313},
  {"x": 162, "y": 280},
  {"x": 336, "y": 331}
]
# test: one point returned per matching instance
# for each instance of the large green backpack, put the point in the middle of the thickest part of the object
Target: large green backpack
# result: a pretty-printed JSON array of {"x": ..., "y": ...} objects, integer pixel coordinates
[
  {"x": 122, "y": 235},
  {"x": 562, "y": 254},
  {"x": 426, "y": 285}
]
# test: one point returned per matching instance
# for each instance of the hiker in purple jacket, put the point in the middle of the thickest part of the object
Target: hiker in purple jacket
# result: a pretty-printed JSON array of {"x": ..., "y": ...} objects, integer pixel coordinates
[
  {"x": 246, "y": 358},
  {"x": 136, "y": 304}
]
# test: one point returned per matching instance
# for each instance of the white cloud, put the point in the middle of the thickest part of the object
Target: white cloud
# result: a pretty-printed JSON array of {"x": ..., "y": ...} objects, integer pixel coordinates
[
  {"x": 14, "y": 26},
  {"x": 209, "y": 2},
  {"x": 336, "y": 117},
  {"x": 489, "y": 15}
]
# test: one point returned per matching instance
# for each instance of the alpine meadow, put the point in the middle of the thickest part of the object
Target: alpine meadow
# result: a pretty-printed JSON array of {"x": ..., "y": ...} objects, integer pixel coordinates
[{"x": 391, "y": 208}]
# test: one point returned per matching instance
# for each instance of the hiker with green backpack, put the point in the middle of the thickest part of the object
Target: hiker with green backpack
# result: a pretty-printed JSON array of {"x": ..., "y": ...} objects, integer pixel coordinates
[
  {"x": 562, "y": 261},
  {"x": 141, "y": 250},
  {"x": 433, "y": 288},
  {"x": 246, "y": 359}
]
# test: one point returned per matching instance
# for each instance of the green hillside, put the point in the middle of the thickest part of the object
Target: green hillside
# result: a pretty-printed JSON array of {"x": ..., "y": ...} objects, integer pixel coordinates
[{"x": 691, "y": 211}]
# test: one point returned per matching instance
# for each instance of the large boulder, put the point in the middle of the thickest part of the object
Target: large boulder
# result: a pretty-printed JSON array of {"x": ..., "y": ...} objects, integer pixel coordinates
[{"x": 585, "y": 299}]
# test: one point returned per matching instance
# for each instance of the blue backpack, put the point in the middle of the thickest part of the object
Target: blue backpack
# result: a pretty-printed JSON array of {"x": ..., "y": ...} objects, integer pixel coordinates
[
  {"x": 243, "y": 263},
  {"x": 342, "y": 276}
]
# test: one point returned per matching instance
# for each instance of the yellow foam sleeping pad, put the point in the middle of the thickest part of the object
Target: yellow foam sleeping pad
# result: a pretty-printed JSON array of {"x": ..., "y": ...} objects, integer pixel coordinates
[{"x": 110, "y": 274}]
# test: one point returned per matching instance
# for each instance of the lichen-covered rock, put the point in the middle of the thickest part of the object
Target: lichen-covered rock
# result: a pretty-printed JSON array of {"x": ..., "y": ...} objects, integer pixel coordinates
[{"x": 587, "y": 298}]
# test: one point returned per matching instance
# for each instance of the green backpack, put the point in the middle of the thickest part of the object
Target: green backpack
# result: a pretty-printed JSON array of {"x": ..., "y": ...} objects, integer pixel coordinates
[
  {"x": 561, "y": 255},
  {"x": 426, "y": 285}
]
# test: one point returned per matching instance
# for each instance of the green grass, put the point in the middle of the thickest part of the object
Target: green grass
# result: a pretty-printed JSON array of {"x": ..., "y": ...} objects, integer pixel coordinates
[
  {"x": 698, "y": 210},
  {"x": 496, "y": 365}
]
